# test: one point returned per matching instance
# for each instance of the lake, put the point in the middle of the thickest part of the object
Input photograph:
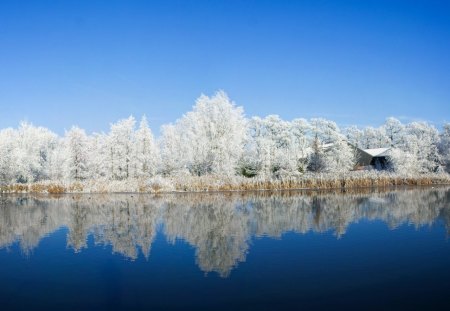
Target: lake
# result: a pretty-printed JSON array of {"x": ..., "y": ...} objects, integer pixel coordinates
[{"x": 369, "y": 249}]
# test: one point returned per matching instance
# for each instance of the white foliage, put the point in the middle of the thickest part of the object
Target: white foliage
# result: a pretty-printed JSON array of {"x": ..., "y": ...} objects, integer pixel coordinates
[
  {"x": 444, "y": 146},
  {"x": 212, "y": 135},
  {"x": 374, "y": 138},
  {"x": 402, "y": 162},
  {"x": 57, "y": 162},
  {"x": 120, "y": 148},
  {"x": 338, "y": 154},
  {"x": 32, "y": 148},
  {"x": 300, "y": 142},
  {"x": 355, "y": 136},
  {"x": 7, "y": 148},
  {"x": 100, "y": 155},
  {"x": 395, "y": 132},
  {"x": 77, "y": 154},
  {"x": 213, "y": 139},
  {"x": 422, "y": 142},
  {"x": 146, "y": 155},
  {"x": 173, "y": 159},
  {"x": 275, "y": 147}
]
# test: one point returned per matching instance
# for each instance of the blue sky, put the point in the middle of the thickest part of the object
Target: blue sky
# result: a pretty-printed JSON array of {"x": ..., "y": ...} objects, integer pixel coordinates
[{"x": 91, "y": 63}]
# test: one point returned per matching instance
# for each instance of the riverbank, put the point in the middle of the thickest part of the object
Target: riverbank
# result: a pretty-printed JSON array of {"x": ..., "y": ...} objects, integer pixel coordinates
[{"x": 235, "y": 183}]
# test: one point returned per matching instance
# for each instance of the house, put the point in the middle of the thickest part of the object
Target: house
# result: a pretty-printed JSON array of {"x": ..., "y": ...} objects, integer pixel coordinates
[{"x": 372, "y": 158}]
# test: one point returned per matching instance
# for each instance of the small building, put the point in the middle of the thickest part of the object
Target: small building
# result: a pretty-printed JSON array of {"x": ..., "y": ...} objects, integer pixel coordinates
[{"x": 372, "y": 158}]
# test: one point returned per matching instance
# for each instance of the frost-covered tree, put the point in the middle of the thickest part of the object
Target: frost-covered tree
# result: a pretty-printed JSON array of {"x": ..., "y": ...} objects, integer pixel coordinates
[
  {"x": 316, "y": 160},
  {"x": 146, "y": 154},
  {"x": 7, "y": 148},
  {"x": 395, "y": 132},
  {"x": 100, "y": 164},
  {"x": 275, "y": 147},
  {"x": 215, "y": 139},
  {"x": 269, "y": 137},
  {"x": 212, "y": 135},
  {"x": 300, "y": 143},
  {"x": 77, "y": 151},
  {"x": 250, "y": 162},
  {"x": 340, "y": 157},
  {"x": 33, "y": 147},
  {"x": 338, "y": 154},
  {"x": 354, "y": 136},
  {"x": 258, "y": 150},
  {"x": 120, "y": 148},
  {"x": 374, "y": 138},
  {"x": 57, "y": 168},
  {"x": 366, "y": 138},
  {"x": 402, "y": 162},
  {"x": 444, "y": 146},
  {"x": 421, "y": 141},
  {"x": 173, "y": 157},
  {"x": 284, "y": 157}
]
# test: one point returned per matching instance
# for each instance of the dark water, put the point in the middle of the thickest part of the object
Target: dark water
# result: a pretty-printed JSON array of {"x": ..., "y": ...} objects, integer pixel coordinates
[{"x": 378, "y": 250}]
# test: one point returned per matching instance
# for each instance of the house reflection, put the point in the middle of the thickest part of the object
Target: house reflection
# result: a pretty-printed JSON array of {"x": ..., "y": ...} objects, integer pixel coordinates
[{"x": 219, "y": 226}]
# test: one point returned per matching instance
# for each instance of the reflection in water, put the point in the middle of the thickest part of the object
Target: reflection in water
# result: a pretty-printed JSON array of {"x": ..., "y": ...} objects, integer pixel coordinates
[{"x": 219, "y": 225}]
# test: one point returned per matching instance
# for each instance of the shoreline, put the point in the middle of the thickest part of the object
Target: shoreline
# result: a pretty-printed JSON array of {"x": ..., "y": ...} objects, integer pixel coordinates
[{"x": 215, "y": 184}]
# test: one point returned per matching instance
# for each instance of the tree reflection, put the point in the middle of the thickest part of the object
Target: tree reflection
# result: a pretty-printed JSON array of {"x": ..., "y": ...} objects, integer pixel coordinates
[{"x": 219, "y": 226}]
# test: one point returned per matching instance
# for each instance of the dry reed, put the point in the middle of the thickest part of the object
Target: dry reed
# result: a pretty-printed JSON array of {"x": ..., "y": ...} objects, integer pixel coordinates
[{"x": 233, "y": 183}]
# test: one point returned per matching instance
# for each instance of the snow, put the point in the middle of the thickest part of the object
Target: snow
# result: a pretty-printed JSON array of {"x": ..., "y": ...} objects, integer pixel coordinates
[
  {"x": 215, "y": 138},
  {"x": 376, "y": 152}
]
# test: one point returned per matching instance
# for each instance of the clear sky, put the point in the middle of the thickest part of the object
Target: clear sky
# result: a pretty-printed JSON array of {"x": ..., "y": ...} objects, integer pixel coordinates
[{"x": 90, "y": 63}]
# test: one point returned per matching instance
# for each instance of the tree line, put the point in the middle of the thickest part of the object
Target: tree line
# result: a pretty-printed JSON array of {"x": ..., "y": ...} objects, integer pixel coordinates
[{"x": 215, "y": 138}]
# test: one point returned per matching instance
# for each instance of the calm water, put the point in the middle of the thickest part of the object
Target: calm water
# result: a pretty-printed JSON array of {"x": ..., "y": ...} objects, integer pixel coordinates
[{"x": 377, "y": 250}]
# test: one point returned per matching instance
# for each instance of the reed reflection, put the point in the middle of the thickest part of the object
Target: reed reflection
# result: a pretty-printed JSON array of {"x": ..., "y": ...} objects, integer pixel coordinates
[{"x": 219, "y": 226}]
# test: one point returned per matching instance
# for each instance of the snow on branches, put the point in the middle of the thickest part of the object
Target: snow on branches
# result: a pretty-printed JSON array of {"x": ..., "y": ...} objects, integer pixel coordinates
[{"x": 215, "y": 138}]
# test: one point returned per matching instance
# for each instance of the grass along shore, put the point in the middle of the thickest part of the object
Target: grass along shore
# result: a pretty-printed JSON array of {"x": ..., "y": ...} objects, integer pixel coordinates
[{"x": 236, "y": 183}]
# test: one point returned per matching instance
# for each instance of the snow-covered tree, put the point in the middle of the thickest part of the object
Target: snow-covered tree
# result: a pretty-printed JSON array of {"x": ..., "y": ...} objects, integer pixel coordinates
[
  {"x": 402, "y": 162},
  {"x": 77, "y": 162},
  {"x": 57, "y": 159},
  {"x": 33, "y": 146},
  {"x": 395, "y": 132},
  {"x": 120, "y": 148},
  {"x": 7, "y": 149},
  {"x": 316, "y": 160},
  {"x": 215, "y": 139},
  {"x": 267, "y": 138},
  {"x": 444, "y": 146},
  {"x": 212, "y": 135},
  {"x": 284, "y": 158},
  {"x": 354, "y": 136},
  {"x": 422, "y": 142},
  {"x": 173, "y": 155},
  {"x": 100, "y": 164},
  {"x": 258, "y": 150},
  {"x": 374, "y": 138},
  {"x": 338, "y": 154},
  {"x": 275, "y": 147},
  {"x": 146, "y": 154},
  {"x": 300, "y": 143}
]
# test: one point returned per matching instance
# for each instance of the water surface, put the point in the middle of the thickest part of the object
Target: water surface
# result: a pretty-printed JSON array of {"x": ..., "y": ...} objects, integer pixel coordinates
[{"x": 370, "y": 250}]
